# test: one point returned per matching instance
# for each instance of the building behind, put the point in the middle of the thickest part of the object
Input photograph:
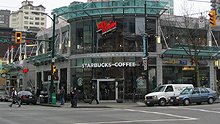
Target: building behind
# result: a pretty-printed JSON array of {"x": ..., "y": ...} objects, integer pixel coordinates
[
  {"x": 4, "y": 18},
  {"x": 28, "y": 17}
]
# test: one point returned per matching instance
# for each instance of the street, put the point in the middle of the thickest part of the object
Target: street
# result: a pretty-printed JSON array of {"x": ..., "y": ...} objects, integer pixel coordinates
[{"x": 110, "y": 114}]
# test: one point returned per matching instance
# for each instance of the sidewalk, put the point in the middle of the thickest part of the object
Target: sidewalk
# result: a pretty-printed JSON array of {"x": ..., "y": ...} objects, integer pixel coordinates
[
  {"x": 111, "y": 104},
  {"x": 100, "y": 105}
]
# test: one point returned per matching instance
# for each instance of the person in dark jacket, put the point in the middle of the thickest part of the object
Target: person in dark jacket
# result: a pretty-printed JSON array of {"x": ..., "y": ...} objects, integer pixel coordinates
[
  {"x": 73, "y": 95},
  {"x": 94, "y": 96},
  {"x": 15, "y": 99},
  {"x": 62, "y": 95}
]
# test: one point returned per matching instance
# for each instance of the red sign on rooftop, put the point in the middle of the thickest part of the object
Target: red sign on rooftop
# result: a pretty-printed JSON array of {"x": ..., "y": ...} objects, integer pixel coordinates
[{"x": 106, "y": 26}]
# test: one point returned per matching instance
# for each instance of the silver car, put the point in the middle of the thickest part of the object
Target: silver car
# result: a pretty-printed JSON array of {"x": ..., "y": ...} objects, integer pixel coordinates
[{"x": 194, "y": 95}]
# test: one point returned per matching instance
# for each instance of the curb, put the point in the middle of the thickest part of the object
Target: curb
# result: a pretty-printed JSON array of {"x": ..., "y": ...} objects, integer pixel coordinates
[{"x": 50, "y": 105}]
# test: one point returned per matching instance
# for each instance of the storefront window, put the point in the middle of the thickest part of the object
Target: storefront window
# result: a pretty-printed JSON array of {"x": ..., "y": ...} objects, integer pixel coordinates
[
  {"x": 124, "y": 36},
  {"x": 79, "y": 37},
  {"x": 87, "y": 33}
]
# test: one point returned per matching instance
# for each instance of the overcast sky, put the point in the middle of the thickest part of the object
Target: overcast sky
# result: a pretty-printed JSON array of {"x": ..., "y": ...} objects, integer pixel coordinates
[{"x": 194, "y": 7}]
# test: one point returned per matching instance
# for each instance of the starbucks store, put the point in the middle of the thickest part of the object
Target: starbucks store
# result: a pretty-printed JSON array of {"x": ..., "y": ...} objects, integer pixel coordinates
[{"x": 107, "y": 47}]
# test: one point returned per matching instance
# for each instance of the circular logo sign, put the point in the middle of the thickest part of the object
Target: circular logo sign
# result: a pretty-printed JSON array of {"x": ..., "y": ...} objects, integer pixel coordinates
[{"x": 80, "y": 81}]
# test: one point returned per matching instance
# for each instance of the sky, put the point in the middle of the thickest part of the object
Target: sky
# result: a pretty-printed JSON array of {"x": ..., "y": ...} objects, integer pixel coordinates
[{"x": 179, "y": 5}]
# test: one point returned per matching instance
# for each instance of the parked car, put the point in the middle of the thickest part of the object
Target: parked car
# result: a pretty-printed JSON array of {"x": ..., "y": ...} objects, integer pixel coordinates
[
  {"x": 27, "y": 97},
  {"x": 163, "y": 92},
  {"x": 4, "y": 96},
  {"x": 194, "y": 95},
  {"x": 44, "y": 96}
]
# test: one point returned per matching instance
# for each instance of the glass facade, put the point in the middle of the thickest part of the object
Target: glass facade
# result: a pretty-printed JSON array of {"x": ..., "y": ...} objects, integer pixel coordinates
[
  {"x": 124, "y": 38},
  {"x": 128, "y": 76}
]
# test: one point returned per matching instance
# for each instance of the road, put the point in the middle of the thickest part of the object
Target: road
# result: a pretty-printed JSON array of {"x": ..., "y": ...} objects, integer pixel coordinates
[{"x": 122, "y": 114}]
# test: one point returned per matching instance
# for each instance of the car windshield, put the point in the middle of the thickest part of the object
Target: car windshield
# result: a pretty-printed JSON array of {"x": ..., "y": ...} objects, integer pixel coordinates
[
  {"x": 159, "y": 88},
  {"x": 186, "y": 91}
]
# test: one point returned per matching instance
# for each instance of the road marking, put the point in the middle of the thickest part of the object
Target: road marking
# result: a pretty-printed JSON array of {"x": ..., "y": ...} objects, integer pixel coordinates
[
  {"x": 181, "y": 118},
  {"x": 160, "y": 113},
  {"x": 202, "y": 110},
  {"x": 135, "y": 121}
]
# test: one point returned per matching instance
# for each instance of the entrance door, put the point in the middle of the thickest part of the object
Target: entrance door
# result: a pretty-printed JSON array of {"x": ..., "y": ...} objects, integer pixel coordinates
[{"x": 106, "y": 89}]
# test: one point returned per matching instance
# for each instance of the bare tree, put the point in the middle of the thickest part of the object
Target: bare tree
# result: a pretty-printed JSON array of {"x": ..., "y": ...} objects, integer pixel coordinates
[{"x": 187, "y": 34}]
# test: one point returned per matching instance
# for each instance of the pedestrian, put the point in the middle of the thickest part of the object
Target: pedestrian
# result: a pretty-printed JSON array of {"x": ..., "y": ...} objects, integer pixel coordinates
[
  {"x": 94, "y": 95},
  {"x": 62, "y": 95},
  {"x": 38, "y": 94},
  {"x": 15, "y": 98},
  {"x": 74, "y": 97}
]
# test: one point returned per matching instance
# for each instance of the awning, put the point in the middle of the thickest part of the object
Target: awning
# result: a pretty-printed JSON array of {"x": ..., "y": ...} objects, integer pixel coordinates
[
  {"x": 79, "y": 9},
  {"x": 205, "y": 52}
]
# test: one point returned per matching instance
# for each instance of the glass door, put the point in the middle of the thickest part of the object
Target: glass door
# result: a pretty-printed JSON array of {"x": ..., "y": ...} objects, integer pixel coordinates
[{"x": 107, "y": 90}]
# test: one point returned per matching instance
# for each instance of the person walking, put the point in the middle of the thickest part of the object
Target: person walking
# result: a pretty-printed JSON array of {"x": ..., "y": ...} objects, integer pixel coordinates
[
  {"x": 38, "y": 94},
  {"x": 14, "y": 96},
  {"x": 73, "y": 94},
  {"x": 94, "y": 96},
  {"x": 62, "y": 95}
]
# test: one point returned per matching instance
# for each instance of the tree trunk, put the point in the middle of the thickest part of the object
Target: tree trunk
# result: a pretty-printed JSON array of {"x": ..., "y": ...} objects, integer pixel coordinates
[{"x": 197, "y": 80}]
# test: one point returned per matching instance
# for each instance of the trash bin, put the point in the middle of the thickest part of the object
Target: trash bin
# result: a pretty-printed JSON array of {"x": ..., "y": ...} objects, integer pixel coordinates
[{"x": 54, "y": 98}]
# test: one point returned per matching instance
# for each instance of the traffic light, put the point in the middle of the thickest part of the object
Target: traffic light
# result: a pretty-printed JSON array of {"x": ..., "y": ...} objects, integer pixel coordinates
[
  {"x": 54, "y": 69},
  {"x": 18, "y": 37},
  {"x": 212, "y": 16}
]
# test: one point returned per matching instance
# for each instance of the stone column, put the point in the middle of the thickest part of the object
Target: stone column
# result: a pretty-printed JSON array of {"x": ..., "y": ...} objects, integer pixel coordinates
[{"x": 159, "y": 61}]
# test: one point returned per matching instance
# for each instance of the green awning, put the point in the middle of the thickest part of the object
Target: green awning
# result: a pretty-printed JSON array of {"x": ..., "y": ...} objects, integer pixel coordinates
[
  {"x": 43, "y": 59},
  {"x": 206, "y": 52},
  {"x": 79, "y": 10}
]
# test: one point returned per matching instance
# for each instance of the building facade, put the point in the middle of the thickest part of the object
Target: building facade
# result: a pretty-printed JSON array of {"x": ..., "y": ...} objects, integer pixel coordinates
[
  {"x": 28, "y": 17},
  {"x": 4, "y": 18},
  {"x": 104, "y": 46}
]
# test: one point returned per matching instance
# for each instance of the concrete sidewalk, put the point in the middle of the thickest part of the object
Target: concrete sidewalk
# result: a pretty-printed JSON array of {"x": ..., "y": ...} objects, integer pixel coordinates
[
  {"x": 100, "y": 105},
  {"x": 112, "y": 104}
]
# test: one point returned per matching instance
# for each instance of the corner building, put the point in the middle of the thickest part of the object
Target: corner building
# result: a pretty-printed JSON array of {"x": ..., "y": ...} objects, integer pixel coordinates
[
  {"x": 107, "y": 46},
  {"x": 103, "y": 45}
]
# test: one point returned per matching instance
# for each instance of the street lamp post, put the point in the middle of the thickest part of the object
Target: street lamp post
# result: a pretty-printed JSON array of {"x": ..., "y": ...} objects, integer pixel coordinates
[
  {"x": 52, "y": 56},
  {"x": 52, "y": 53}
]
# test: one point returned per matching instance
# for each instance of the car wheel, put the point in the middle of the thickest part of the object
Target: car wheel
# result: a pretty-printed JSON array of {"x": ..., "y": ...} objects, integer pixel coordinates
[
  {"x": 186, "y": 102},
  {"x": 162, "y": 102},
  {"x": 210, "y": 101}
]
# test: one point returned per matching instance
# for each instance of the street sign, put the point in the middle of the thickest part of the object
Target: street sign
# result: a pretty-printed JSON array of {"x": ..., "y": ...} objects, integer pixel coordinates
[
  {"x": 49, "y": 77},
  {"x": 53, "y": 59},
  {"x": 145, "y": 64}
]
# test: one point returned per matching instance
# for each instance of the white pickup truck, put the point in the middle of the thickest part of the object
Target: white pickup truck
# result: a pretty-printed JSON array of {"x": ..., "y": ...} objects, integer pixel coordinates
[{"x": 162, "y": 93}]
